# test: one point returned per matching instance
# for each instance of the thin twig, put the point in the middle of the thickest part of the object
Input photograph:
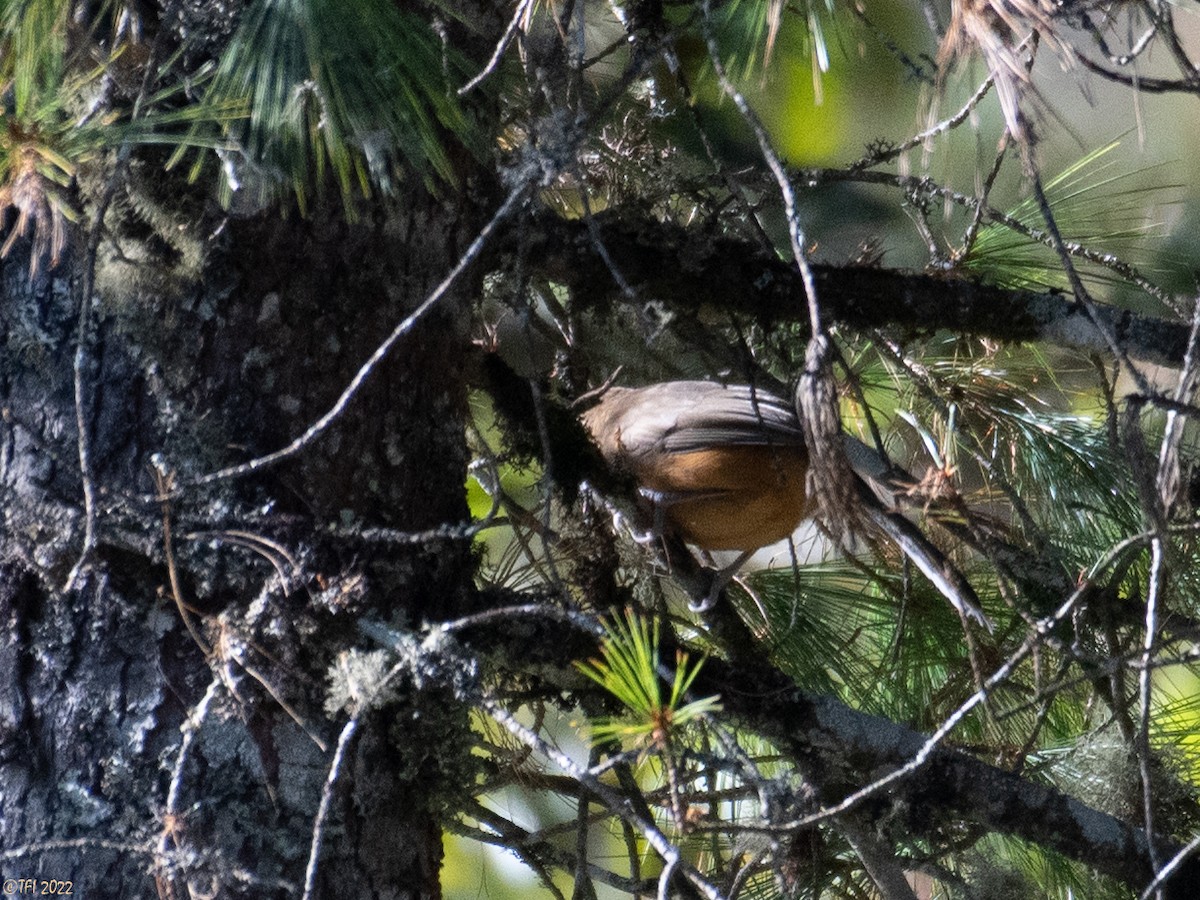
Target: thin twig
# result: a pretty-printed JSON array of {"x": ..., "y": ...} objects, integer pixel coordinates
[
  {"x": 233, "y": 649},
  {"x": 281, "y": 560},
  {"x": 1167, "y": 480},
  {"x": 919, "y": 758},
  {"x": 753, "y": 865},
  {"x": 38, "y": 847},
  {"x": 505, "y": 39},
  {"x": 1078, "y": 289},
  {"x": 732, "y": 184},
  {"x": 878, "y": 860},
  {"x": 795, "y": 231},
  {"x": 318, "y": 829},
  {"x": 664, "y": 880},
  {"x": 549, "y": 480},
  {"x": 461, "y": 531},
  {"x": 583, "y": 889},
  {"x": 169, "y": 839},
  {"x": 886, "y": 155},
  {"x": 83, "y": 331},
  {"x": 1164, "y": 21},
  {"x": 1154, "y": 888},
  {"x": 1145, "y": 691},
  {"x": 188, "y": 731},
  {"x": 918, "y": 185},
  {"x": 1167, "y": 484},
  {"x": 1044, "y": 628},
  {"x": 535, "y": 849},
  {"x": 164, "y": 481},
  {"x": 615, "y": 802},
  {"x": 972, "y": 231}
]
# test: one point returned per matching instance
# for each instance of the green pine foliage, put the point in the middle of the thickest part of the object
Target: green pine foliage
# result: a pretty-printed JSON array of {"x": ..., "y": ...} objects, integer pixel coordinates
[
  {"x": 357, "y": 92},
  {"x": 60, "y": 114},
  {"x": 630, "y": 669},
  {"x": 1098, "y": 204}
]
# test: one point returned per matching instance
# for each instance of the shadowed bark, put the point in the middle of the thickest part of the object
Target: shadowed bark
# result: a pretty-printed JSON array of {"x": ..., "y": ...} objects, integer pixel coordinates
[{"x": 692, "y": 270}]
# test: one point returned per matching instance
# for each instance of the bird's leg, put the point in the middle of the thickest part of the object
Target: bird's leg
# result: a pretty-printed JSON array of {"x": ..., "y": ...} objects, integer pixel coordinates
[
  {"x": 623, "y": 522},
  {"x": 658, "y": 503},
  {"x": 658, "y": 530},
  {"x": 640, "y": 537},
  {"x": 721, "y": 578}
]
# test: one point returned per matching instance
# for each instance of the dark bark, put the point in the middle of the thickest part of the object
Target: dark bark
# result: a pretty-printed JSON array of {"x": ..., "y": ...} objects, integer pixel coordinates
[
  {"x": 692, "y": 270},
  {"x": 135, "y": 754},
  {"x": 97, "y": 681}
]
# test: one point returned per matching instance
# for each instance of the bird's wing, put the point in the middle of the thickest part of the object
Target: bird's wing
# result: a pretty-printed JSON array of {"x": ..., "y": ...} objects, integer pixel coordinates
[{"x": 679, "y": 417}]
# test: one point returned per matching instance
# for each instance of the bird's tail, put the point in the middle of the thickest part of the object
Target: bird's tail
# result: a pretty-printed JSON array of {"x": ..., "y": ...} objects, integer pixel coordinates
[{"x": 931, "y": 561}]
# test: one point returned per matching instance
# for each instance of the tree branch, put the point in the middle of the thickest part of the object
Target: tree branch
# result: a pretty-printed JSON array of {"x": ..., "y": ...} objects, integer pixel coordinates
[
  {"x": 834, "y": 745},
  {"x": 837, "y": 744},
  {"x": 690, "y": 269}
]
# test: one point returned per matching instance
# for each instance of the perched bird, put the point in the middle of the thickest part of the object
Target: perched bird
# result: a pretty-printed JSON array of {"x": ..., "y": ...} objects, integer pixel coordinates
[
  {"x": 725, "y": 465},
  {"x": 725, "y": 468}
]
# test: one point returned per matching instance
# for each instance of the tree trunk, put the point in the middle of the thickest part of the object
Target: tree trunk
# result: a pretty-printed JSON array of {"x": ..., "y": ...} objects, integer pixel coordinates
[{"x": 133, "y": 753}]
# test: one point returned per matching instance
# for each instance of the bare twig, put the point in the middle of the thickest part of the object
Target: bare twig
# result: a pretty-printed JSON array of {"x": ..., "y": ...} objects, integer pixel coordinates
[
  {"x": 584, "y": 889},
  {"x": 514, "y": 25},
  {"x": 1168, "y": 870},
  {"x": 1167, "y": 479},
  {"x": 37, "y": 848},
  {"x": 164, "y": 481},
  {"x": 890, "y": 153},
  {"x": 923, "y": 185},
  {"x": 83, "y": 332},
  {"x": 664, "y": 880},
  {"x": 1077, "y": 286},
  {"x": 1145, "y": 692},
  {"x": 1045, "y": 627},
  {"x": 615, "y": 802},
  {"x": 231, "y": 648},
  {"x": 924, "y": 753},
  {"x": 771, "y": 158},
  {"x": 345, "y": 739},
  {"x": 188, "y": 730},
  {"x": 1167, "y": 484},
  {"x": 972, "y": 230},
  {"x": 1142, "y": 83},
  {"x": 169, "y": 839},
  {"x": 879, "y": 861}
]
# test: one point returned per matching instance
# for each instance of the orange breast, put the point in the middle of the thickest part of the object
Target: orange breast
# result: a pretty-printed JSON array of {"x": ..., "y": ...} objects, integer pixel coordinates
[{"x": 732, "y": 498}]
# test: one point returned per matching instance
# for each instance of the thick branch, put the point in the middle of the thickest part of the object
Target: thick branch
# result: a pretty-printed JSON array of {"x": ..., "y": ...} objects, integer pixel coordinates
[
  {"x": 838, "y": 747},
  {"x": 690, "y": 270}
]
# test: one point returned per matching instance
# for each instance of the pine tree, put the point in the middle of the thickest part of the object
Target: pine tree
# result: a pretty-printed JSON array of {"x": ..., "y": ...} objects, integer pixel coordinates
[{"x": 282, "y": 276}]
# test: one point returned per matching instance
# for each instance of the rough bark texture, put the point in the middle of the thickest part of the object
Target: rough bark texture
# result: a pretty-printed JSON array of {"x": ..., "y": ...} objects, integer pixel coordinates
[
  {"x": 97, "y": 681},
  {"x": 138, "y": 755},
  {"x": 691, "y": 271}
]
